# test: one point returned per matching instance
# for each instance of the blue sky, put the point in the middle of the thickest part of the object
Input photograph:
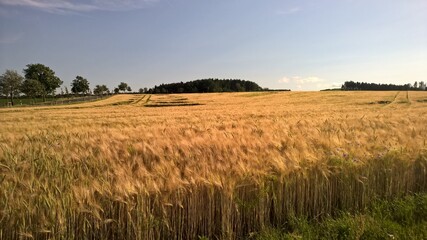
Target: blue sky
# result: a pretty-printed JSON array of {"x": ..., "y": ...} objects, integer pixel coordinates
[{"x": 296, "y": 44}]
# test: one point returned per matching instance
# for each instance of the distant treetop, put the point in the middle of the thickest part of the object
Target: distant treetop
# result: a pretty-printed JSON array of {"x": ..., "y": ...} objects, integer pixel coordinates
[
  {"x": 208, "y": 85},
  {"x": 352, "y": 86}
]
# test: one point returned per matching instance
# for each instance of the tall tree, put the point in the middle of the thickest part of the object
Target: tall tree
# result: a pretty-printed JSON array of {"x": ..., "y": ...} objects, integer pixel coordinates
[
  {"x": 352, "y": 86},
  {"x": 32, "y": 88},
  {"x": 80, "y": 85},
  {"x": 101, "y": 90},
  {"x": 45, "y": 76},
  {"x": 422, "y": 85},
  {"x": 123, "y": 86},
  {"x": 208, "y": 85},
  {"x": 10, "y": 83},
  {"x": 143, "y": 90}
]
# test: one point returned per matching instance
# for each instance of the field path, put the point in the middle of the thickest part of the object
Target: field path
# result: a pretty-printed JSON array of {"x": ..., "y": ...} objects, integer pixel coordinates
[
  {"x": 140, "y": 101},
  {"x": 402, "y": 97},
  {"x": 120, "y": 99},
  {"x": 408, "y": 98}
]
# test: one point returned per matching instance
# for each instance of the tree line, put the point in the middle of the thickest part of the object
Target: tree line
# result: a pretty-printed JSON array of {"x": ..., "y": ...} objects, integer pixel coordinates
[
  {"x": 41, "y": 81},
  {"x": 207, "y": 85},
  {"x": 352, "y": 86}
]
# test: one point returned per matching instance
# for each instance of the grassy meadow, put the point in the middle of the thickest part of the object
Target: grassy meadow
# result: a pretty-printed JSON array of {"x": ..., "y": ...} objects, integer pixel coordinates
[
  {"x": 25, "y": 102},
  {"x": 5, "y": 102},
  {"x": 206, "y": 166}
]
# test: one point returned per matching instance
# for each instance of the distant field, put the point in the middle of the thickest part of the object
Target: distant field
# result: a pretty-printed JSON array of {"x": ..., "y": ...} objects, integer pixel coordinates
[
  {"x": 218, "y": 165},
  {"x": 25, "y": 102}
]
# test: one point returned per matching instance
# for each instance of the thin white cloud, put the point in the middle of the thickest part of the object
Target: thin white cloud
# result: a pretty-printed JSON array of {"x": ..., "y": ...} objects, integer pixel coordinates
[
  {"x": 63, "y": 6},
  {"x": 289, "y": 11},
  {"x": 12, "y": 38},
  {"x": 336, "y": 85},
  {"x": 51, "y": 5},
  {"x": 301, "y": 80},
  {"x": 309, "y": 80},
  {"x": 284, "y": 80},
  {"x": 305, "y": 83}
]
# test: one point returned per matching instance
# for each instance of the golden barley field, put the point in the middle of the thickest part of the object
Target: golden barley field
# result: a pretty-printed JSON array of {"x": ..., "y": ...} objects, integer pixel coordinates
[{"x": 218, "y": 165}]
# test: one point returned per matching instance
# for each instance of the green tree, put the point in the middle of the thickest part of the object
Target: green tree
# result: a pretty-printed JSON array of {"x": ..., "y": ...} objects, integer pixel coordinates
[
  {"x": 116, "y": 90},
  {"x": 10, "y": 83},
  {"x": 45, "y": 76},
  {"x": 129, "y": 89},
  {"x": 32, "y": 88},
  {"x": 80, "y": 85},
  {"x": 123, "y": 86},
  {"x": 101, "y": 90}
]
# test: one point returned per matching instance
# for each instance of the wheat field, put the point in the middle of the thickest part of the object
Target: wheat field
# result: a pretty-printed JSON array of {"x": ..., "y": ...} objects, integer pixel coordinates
[{"x": 220, "y": 165}]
